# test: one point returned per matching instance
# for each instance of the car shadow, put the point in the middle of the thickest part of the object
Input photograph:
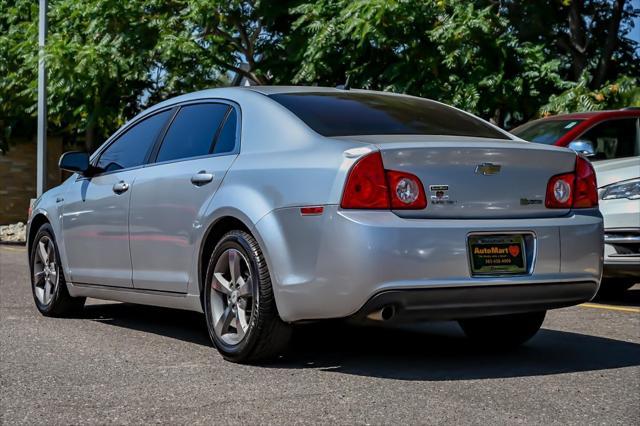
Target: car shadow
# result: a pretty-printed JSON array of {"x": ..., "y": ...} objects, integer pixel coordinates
[
  {"x": 439, "y": 351},
  {"x": 630, "y": 297},
  {"x": 177, "y": 324},
  {"x": 426, "y": 352}
]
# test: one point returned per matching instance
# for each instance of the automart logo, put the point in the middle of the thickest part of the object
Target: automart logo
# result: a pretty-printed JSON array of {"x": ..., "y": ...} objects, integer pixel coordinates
[{"x": 490, "y": 250}]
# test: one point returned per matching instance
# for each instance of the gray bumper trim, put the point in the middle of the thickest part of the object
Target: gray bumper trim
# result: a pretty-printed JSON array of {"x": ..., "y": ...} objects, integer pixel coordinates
[{"x": 455, "y": 303}]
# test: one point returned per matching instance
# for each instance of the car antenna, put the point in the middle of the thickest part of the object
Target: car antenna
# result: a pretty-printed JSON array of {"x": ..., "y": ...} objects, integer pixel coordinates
[{"x": 344, "y": 86}]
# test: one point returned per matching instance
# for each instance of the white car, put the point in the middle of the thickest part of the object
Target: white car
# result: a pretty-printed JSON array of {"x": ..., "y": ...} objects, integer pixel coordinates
[{"x": 619, "y": 193}]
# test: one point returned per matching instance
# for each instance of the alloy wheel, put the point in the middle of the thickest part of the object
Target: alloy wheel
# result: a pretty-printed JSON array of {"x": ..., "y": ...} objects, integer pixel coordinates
[
  {"x": 231, "y": 296},
  {"x": 45, "y": 270}
]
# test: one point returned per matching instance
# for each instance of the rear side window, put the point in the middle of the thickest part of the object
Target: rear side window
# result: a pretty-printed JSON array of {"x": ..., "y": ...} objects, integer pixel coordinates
[
  {"x": 351, "y": 114},
  {"x": 226, "y": 141},
  {"x": 193, "y": 132},
  {"x": 132, "y": 147}
]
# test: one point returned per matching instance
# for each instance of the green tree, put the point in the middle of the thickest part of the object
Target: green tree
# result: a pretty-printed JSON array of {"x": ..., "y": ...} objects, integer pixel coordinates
[
  {"x": 504, "y": 60},
  {"x": 620, "y": 93},
  {"x": 99, "y": 54},
  {"x": 18, "y": 65},
  {"x": 455, "y": 52},
  {"x": 588, "y": 36},
  {"x": 108, "y": 59},
  {"x": 499, "y": 59}
]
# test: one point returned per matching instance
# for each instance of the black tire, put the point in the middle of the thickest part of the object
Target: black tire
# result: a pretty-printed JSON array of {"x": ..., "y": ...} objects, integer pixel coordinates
[
  {"x": 615, "y": 287},
  {"x": 266, "y": 335},
  {"x": 59, "y": 303},
  {"x": 503, "y": 331}
]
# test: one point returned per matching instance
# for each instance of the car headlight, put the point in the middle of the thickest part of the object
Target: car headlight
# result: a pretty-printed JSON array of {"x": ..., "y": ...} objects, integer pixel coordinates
[{"x": 627, "y": 189}]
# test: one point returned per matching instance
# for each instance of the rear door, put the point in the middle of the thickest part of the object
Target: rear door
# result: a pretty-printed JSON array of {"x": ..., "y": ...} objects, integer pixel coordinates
[
  {"x": 95, "y": 217},
  {"x": 170, "y": 195}
]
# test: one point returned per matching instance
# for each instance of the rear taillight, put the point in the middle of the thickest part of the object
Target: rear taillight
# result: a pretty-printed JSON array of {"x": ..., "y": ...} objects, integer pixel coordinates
[
  {"x": 366, "y": 185},
  {"x": 576, "y": 190},
  {"x": 370, "y": 186},
  {"x": 586, "y": 188}
]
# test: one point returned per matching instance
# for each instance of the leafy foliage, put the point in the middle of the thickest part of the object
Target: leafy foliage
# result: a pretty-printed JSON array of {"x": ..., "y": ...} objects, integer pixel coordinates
[
  {"x": 108, "y": 59},
  {"x": 586, "y": 35},
  {"x": 621, "y": 93},
  {"x": 18, "y": 64},
  {"x": 455, "y": 52},
  {"x": 507, "y": 61}
]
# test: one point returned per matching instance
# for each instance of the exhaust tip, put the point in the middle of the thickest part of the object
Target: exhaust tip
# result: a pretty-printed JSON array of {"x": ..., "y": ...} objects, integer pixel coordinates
[
  {"x": 388, "y": 312},
  {"x": 384, "y": 314}
]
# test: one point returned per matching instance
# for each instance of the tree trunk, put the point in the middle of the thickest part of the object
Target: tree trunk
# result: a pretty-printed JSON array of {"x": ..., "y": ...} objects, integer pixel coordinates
[
  {"x": 497, "y": 118},
  {"x": 610, "y": 45},
  {"x": 578, "y": 39}
]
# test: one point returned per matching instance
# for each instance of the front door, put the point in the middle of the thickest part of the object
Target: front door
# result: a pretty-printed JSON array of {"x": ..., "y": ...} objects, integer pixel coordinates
[
  {"x": 96, "y": 229},
  {"x": 95, "y": 218}
]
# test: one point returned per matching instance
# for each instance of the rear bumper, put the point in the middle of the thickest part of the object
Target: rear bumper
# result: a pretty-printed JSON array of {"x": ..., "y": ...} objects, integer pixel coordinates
[
  {"x": 628, "y": 269},
  {"x": 332, "y": 265},
  {"x": 457, "y": 303},
  {"x": 622, "y": 253}
]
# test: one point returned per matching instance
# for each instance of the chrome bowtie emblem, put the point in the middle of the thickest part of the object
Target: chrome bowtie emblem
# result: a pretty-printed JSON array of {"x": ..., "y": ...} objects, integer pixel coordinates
[{"x": 487, "y": 169}]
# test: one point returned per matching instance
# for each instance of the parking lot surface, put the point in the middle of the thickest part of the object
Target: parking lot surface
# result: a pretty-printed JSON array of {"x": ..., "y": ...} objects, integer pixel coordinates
[{"x": 122, "y": 363}]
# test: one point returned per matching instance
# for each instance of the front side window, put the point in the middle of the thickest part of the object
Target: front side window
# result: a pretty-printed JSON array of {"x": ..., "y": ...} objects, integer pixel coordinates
[
  {"x": 613, "y": 139},
  {"x": 193, "y": 131},
  {"x": 132, "y": 147},
  {"x": 353, "y": 113}
]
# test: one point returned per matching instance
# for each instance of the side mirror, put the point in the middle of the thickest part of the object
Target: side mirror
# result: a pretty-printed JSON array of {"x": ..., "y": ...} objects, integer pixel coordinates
[
  {"x": 77, "y": 162},
  {"x": 583, "y": 147}
]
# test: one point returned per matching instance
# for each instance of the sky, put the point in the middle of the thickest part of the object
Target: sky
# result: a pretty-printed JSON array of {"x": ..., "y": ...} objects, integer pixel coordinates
[{"x": 635, "y": 33}]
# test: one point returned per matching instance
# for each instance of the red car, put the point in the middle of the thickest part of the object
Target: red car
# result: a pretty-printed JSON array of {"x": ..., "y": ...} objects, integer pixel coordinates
[{"x": 602, "y": 135}]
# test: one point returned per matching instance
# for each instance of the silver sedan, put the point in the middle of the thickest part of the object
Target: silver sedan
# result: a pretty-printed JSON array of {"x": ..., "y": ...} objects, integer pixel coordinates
[{"x": 263, "y": 207}]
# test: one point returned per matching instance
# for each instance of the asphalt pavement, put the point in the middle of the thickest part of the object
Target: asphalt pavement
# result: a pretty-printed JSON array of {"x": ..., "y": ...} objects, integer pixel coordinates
[{"x": 128, "y": 364}]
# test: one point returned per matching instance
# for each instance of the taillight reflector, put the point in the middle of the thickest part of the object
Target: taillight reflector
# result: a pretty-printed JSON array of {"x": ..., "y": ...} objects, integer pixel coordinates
[{"x": 311, "y": 211}]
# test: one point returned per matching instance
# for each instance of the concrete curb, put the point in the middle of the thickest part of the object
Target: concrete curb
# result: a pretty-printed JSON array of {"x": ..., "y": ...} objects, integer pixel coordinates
[{"x": 13, "y": 243}]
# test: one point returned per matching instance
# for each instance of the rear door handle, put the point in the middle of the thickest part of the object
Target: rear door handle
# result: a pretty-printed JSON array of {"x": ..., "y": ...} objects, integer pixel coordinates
[
  {"x": 120, "y": 187},
  {"x": 201, "y": 178}
]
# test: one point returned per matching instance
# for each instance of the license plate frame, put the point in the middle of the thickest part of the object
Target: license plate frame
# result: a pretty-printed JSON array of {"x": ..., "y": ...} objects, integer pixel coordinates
[{"x": 497, "y": 254}]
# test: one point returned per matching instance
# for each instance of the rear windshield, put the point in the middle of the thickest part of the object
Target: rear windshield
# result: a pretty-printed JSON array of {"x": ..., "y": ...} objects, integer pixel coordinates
[
  {"x": 352, "y": 114},
  {"x": 545, "y": 131}
]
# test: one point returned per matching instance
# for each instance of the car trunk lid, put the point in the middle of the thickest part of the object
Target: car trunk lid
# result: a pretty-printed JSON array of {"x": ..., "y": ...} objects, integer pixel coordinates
[{"x": 475, "y": 177}]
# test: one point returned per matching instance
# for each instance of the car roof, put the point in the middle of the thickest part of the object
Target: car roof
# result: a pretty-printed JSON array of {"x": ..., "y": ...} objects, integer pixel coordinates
[
  {"x": 596, "y": 114},
  {"x": 264, "y": 90},
  {"x": 272, "y": 90}
]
